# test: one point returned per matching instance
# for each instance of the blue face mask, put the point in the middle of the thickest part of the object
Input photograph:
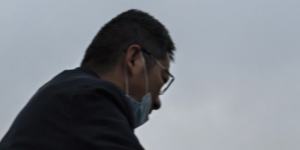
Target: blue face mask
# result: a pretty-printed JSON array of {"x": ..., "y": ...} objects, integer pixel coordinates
[{"x": 140, "y": 108}]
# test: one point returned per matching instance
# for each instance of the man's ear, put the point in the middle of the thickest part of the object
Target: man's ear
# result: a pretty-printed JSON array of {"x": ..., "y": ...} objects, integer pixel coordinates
[{"x": 133, "y": 60}]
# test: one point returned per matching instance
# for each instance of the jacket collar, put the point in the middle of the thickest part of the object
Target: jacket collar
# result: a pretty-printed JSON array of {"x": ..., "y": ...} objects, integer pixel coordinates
[{"x": 114, "y": 90}]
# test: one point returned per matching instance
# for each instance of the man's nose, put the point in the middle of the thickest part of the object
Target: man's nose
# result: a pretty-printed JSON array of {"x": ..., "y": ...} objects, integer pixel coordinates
[{"x": 156, "y": 104}]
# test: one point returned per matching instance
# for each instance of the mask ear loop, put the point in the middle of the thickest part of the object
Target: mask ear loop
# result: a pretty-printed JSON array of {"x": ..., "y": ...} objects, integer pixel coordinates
[
  {"x": 146, "y": 74},
  {"x": 146, "y": 77},
  {"x": 126, "y": 81}
]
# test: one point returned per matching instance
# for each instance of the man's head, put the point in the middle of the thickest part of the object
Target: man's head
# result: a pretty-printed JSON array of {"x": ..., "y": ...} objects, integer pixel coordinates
[{"x": 125, "y": 46}]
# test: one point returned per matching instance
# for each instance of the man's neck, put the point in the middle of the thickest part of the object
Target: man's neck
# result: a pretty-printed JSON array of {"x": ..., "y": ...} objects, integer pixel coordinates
[{"x": 115, "y": 78}]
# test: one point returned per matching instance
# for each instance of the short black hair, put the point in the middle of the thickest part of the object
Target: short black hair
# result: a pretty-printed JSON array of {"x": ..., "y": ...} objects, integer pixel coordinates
[{"x": 130, "y": 27}]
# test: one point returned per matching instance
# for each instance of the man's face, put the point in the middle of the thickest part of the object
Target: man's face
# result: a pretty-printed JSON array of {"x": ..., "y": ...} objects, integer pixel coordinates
[
  {"x": 140, "y": 75},
  {"x": 158, "y": 76}
]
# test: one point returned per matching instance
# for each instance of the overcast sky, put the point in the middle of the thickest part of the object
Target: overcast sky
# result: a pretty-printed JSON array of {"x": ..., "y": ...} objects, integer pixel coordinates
[{"x": 237, "y": 70}]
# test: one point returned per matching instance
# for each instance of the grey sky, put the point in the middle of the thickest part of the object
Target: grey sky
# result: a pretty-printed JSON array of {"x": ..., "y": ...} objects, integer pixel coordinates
[{"x": 237, "y": 66}]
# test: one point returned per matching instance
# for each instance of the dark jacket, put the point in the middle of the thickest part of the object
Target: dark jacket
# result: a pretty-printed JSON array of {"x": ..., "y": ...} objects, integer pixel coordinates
[{"x": 76, "y": 110}]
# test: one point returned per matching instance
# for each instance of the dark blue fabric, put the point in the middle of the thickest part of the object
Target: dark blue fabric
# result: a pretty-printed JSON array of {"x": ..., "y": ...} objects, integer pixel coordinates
[{"x": 75, "y": 110}]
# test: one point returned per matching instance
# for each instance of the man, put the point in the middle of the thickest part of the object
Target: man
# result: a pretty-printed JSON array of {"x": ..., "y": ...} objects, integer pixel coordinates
[{"x": 99, "y": 104}]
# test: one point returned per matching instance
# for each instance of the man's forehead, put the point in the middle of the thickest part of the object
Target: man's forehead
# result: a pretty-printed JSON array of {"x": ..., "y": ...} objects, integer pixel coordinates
[
  {"x": 166, "y": 62},
  {"x": 168, "y": 59}
]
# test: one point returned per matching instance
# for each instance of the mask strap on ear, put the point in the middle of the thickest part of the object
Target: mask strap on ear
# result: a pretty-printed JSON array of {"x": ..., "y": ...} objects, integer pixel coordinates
[
  {"x": 126, "y": 81},
  {"x": 146, "y": 74}
]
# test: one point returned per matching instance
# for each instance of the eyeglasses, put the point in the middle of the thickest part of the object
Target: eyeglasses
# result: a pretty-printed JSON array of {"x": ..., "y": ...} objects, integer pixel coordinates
[{"x": 171, "y": 78}]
